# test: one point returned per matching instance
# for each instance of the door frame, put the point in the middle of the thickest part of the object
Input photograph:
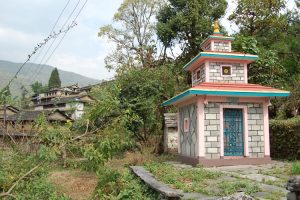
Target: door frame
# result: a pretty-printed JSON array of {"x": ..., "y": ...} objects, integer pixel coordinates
[{"x": 245, "y": 124}]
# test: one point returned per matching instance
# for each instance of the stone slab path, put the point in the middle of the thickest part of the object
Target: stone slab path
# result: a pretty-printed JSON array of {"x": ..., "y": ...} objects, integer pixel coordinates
[
  {"x": 257, "y": 173},
  {"x": 272, "y": 186}
]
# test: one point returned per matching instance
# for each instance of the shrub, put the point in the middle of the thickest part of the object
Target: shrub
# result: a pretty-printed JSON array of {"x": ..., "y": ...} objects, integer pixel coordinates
[{"x": 285, "y": 138}]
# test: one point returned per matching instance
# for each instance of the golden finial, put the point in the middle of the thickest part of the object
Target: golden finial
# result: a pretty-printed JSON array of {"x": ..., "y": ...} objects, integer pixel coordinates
[{"x": 216, "y": 27}]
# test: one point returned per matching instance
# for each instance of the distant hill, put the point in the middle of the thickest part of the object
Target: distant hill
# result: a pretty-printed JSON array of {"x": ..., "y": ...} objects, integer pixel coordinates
[{"x": 26, "y": 76}]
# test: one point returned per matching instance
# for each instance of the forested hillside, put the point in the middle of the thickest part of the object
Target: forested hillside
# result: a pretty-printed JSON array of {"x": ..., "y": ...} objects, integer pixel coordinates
[{"x": 33, "y": 72}]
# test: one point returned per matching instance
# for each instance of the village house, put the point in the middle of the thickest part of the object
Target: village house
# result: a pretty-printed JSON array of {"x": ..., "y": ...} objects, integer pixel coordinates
[
  {"x": 23, "y": 122},
  {"x": 223, "y": 120},
  {"x": 70, "y": 99},
  {"x": 7, "y": 110}
]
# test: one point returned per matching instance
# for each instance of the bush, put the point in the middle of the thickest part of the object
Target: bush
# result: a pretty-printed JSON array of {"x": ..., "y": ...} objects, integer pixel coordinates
[
  {"x": 134, "y": 100},
  {"x": 285, "y": 138}
]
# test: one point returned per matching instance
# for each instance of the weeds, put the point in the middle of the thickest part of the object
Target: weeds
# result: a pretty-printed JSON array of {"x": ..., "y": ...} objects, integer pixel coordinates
[
  {"x": 35, "y": 186},
  {"x": 275, "y": 195},
  {"x": 188, "y": 180},
  {"x": 227, "y": 188},
  {"x": 114, "y": 184},
  {"x": 295, "y": 168}
]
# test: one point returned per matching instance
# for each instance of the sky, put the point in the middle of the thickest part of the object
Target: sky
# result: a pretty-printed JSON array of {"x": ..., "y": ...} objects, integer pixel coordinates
[{"x": 23, "y": 24}]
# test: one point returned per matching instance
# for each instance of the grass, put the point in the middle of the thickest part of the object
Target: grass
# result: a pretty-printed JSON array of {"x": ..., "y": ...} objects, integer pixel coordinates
[
  {"x": 295, "y": 168},
  {"x": 74, "y": 183},
  {"x": 228, "y": 187},
  {"x": 200, "y": 180},
  {"x": 275, "y": 195},
  {"x": 188, "y": 180}
]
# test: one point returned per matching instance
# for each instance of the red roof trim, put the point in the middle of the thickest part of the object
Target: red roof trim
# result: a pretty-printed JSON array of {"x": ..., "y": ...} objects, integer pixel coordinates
[{"x": 234, "y": 87}]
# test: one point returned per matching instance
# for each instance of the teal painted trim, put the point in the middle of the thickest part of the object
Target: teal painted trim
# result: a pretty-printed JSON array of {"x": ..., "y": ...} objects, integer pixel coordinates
[
  {"x": 217, "y": 37},
  {"x": 216, "y": 55},
  {"x": 176, "y": 98},
  {"x": 225, "y": 93},
  {"x": 192, "y": 61}
]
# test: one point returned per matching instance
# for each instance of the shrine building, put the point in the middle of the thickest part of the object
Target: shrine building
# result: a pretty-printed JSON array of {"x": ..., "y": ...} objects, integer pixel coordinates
[{"x": 222, "y": 119}]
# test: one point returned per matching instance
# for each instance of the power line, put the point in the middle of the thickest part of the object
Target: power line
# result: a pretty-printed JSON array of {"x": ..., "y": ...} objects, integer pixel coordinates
[
  {"x": 52, "y": 29},
  {"x": 40, "y": 66},
  {"x": 36, "y": 48},
  {"x": 59, "y": 43},
  {"x": 65, "y": 33}
]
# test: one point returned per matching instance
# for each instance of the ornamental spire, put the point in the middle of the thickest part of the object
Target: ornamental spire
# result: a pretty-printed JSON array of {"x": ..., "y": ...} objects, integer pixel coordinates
[{"x": 216, "y": 26}]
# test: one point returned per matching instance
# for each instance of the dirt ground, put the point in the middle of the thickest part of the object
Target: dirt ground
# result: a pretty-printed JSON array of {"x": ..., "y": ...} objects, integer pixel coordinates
[{"x": 75, "y": 184}]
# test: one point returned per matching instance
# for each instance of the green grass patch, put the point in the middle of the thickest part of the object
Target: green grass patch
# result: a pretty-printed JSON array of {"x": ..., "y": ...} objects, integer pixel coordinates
[
  {"x": 275, "y": 195},
  {"x": 200, "y": 180},
  {"x": 295, "y": 168},
  {"x": 230, "y": 187},
  {"x": 188, "y": 180},
  {"x": 34, "y": 186},
  {"x": 116, "y": 184}
]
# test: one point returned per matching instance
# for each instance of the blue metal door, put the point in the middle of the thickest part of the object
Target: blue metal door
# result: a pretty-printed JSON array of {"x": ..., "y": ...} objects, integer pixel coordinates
[{"x": 233, "y": 132}]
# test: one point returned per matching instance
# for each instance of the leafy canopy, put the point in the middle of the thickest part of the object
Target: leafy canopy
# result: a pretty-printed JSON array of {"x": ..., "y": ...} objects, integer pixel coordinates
[
  {"x": 133, "y": 35},
  {"x": 188, "y": 23},
  {"x": 260, "y": 18}
]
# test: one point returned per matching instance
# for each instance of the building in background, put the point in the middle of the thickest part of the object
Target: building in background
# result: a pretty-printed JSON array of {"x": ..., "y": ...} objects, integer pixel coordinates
[
  {"x": 8, "y": 110},
  {"x": 23, "y": 123},
  {"x": 71, "y": 100}
]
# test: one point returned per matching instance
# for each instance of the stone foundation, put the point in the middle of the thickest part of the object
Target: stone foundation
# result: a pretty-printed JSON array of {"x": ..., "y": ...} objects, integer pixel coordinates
[{"x": 224, "y": 161}]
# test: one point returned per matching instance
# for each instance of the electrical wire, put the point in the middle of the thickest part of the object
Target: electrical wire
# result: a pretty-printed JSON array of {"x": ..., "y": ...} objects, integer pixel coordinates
[
  {"x": 40, "y": 66},
  {"x": 28, "y": 59}
]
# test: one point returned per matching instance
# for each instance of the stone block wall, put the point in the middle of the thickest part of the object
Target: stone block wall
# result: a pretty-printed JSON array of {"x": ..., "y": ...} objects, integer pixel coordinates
[
  {"x": 221, "y": 46},
  {"x": 198, "y": 75},
  {"x": 237, "y": 73},
  {"x": 188, "y": 140},
  {"x": 212, "y": 130},
  {"x": 256, "y": 130}
]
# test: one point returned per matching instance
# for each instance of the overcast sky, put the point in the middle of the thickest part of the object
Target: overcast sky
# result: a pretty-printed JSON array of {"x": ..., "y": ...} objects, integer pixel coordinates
[{"x": 24, "y": 23}]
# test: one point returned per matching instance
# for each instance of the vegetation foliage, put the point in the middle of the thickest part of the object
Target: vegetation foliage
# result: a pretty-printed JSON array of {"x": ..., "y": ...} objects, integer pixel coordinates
[
  {"x": 285, "y": 138},
  {"x": 127, "y": 114}
]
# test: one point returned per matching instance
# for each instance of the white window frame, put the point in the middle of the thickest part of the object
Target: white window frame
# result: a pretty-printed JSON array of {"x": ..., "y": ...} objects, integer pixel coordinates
[{"x": 221, "y": 69}]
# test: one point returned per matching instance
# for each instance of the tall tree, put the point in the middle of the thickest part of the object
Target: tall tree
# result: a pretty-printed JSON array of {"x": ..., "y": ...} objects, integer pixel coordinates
[
  {"x": 288, "y": 46},
  {"x": 267, "y": 70},
  {"x": 133, "y": 34},
  {"x": 54, "y": 80},
  {"x": 188, "y": 23},
  {"x": 263, "y": 19}
]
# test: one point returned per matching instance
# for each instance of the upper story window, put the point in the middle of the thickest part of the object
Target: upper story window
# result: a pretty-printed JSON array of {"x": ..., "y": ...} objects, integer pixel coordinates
[
  {"x": 226, "y": 70},
  {"x": 198, "y": 75}
]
